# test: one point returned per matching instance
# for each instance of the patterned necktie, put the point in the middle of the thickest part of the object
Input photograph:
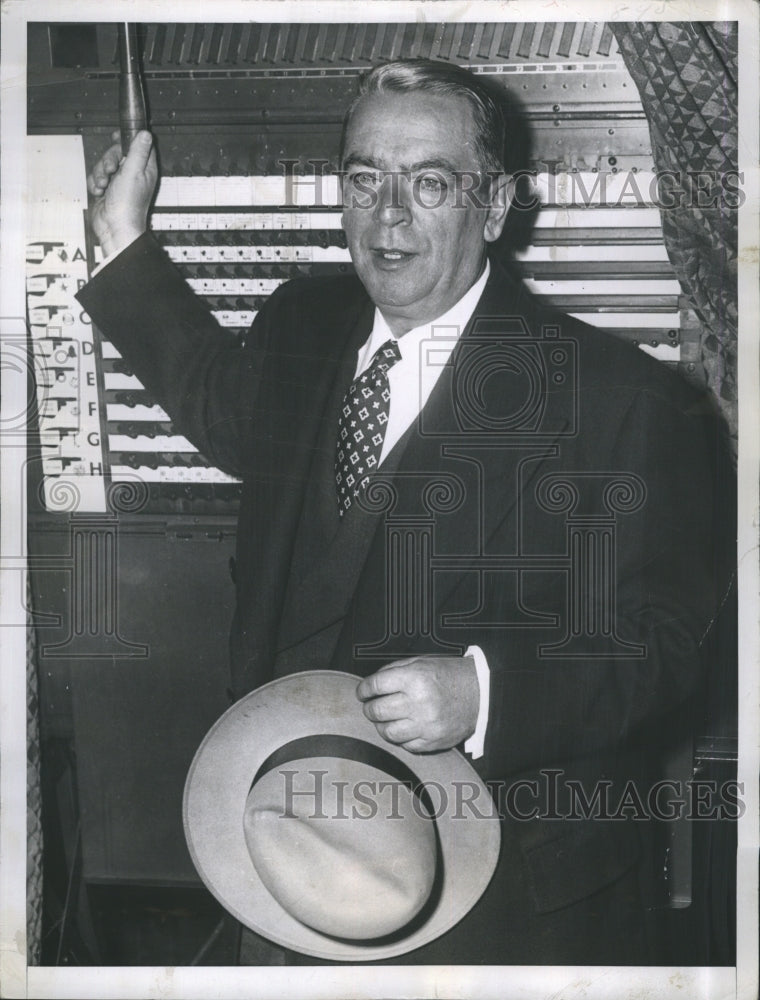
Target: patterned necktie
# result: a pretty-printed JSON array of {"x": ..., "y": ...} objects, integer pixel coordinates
[{"x": 361, "y": 428}]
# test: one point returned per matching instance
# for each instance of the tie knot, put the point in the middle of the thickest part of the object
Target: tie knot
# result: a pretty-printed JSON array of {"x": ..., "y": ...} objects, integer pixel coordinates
[{"x": 385, "y": 357}]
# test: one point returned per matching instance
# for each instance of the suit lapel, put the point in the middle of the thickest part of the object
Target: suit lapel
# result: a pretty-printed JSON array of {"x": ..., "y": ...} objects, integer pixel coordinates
[
  {"x": 478, "y": 472},
  {"x": 297, "y": 383},
  {"x": 330, "y": 551},
  {"x": 287, "y": 419},
  {"x": 445, "y": 440}
]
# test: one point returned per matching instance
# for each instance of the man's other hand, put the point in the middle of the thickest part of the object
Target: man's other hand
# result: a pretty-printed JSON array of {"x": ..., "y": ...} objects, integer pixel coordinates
[
  {"x": 122, "y": 189},
  {"x": 423, "y": 703}
]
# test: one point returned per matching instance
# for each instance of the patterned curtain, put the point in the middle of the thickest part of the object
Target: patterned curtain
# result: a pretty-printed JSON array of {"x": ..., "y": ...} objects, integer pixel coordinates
[{"x": 686, "y": 74}]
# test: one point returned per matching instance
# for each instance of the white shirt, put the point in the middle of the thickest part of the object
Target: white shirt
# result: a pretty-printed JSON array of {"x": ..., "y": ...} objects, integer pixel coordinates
[{"x": 425, "y": 351}]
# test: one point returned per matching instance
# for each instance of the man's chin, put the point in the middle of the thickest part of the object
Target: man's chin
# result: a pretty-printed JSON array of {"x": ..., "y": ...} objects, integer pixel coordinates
[{"x": 391, "y": 291}]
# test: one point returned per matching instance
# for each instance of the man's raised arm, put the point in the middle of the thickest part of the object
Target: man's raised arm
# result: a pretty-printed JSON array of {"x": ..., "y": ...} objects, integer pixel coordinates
[{"x": 201, "y": 375}]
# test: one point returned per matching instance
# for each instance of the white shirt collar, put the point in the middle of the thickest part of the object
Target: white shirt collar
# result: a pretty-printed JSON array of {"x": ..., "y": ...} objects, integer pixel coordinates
[{"x": 449, "y": 327}]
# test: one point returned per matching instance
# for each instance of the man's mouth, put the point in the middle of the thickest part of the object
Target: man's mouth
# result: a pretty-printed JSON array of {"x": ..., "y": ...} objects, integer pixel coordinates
[{"x": 392, "y": 256}]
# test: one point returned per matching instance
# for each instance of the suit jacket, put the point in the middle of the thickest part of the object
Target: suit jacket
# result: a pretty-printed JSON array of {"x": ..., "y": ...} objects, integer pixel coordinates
[{"x": 550, "y": 462}]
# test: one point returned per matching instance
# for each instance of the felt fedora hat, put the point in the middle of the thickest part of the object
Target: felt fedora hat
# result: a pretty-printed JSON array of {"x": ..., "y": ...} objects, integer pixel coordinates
[{"x": 319, "y": 835}]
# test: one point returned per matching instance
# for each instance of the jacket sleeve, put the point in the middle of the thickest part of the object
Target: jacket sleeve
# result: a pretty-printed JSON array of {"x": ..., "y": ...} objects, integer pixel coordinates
[
  {"x": 671, "y": 572},
  {"x": 201, "y": 375}
]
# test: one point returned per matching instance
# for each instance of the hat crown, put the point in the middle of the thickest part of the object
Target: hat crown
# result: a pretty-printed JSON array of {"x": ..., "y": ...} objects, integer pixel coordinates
[{"x": 344, "y": 847}]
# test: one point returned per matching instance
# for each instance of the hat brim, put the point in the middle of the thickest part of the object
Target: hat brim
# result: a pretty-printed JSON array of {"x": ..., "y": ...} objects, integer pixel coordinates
[{"x": 303, "y": 705}]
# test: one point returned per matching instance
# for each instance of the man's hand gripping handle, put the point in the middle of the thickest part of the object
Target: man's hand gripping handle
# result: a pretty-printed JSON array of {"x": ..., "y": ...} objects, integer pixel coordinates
[{"x": 121, "y": 189}]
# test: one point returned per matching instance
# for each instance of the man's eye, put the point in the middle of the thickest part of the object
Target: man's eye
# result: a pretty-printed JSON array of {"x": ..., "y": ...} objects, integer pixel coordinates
[
  {"x": 432, "y": 183},
  {"x": 364, "y": 179}
]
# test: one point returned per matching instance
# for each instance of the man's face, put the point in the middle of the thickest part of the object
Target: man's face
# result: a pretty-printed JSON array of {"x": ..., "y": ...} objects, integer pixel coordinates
[{"x": 417, "y": 239}]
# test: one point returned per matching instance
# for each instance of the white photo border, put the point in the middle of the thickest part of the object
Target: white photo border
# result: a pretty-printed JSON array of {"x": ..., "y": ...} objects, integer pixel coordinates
[{"x": 526, "y": 983}]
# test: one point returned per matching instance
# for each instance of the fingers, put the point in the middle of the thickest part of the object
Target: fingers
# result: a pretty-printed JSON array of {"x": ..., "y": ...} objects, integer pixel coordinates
[
  {"x": 386, "y": 709},
  {"x": 387, "y": 705},
  {"x": 104, "y": 169},
  {"x": 140, "y": 159},
  {"x": 419, "y": 746},
  {"x": 139, "y": 151},
  {"x": 400, "y": 731},
  {"x": 387, "y": 680},
  {"x": 375, "y": 685}
]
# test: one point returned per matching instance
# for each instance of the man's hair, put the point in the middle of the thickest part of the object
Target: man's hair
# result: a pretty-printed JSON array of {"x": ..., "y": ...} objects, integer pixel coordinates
[{"x": 433, "y": 77}]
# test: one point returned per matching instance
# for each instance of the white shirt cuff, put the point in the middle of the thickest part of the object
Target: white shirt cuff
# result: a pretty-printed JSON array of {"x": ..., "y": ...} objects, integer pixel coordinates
[
  {"x": 475, "y": 744},
  {"x": 112, "y": 256}
]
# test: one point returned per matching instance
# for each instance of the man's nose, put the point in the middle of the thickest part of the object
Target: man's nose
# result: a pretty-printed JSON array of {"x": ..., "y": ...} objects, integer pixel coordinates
[{"x": 394, "y": 200}]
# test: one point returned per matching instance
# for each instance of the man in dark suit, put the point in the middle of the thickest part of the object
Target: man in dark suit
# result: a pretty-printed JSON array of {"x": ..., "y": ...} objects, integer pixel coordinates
[{"x": 502, "y": 520}]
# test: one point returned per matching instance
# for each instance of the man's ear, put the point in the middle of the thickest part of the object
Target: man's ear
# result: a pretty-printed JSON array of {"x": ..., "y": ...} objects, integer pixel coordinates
[{"x": 501, "y": 199}]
